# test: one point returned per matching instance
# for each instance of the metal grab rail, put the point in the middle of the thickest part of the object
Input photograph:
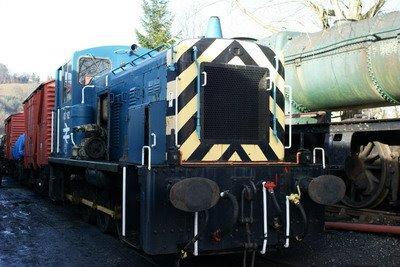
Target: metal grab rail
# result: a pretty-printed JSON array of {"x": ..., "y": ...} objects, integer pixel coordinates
[
  {"x": 52, "y": 131},
  {"x": 265, "y": 218},
  {"x": 198, "y": 88},
  {"x": 287, "y": 232},
  {"x": 315, "y": 156},
  {"x": 124, "y": 201},
  {"x": 291, "y": 116},
  {"x": 148, "y": 156},
  {"x": 176, "y": 111},
  {"x": 154, "y": 140},
  {"x": 274, "y": 92},
  {"x": 132, "y": 63},
  {"x": 83, "y": 92}
]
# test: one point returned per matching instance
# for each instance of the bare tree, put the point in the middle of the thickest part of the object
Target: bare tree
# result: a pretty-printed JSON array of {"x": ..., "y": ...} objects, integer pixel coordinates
[{"x": 343, "y": 10}]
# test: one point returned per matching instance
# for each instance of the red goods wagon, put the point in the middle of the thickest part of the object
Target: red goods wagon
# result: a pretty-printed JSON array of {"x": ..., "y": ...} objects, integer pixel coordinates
[
  {"x": 14, "y": 127},
  {"x": 38, "y": 108}
]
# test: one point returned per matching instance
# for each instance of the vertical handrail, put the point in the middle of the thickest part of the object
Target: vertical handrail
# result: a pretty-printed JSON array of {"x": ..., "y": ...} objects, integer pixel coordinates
[
  {"x": 315, "y": 156},
  {"x": 287, "y": 237},
  {"x": 58, "y": 130},
  {"x": 124, "y": 201},
  {"x": 265, "y": 219},
  {"x": 195, "y": 233},
  {"x": 176, "y": 111},
  {"x": 83, "y": 92},
  {"x": 148, "y": 156},
  {"x": 154, "y": 144},
  {"x": 274, "y": 92},
  {"x": 291, "y": 116},
  {"x": 198, "y": 85},
  {"x": 52, "y": 131}
]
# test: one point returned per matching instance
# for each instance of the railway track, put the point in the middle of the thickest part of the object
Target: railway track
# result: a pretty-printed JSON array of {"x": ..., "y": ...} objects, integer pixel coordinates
[{"x": 362, "y": 220}]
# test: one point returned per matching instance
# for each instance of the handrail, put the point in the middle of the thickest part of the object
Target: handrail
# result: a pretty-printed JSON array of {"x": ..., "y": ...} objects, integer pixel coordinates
[
  {"x": 274, "y": 93},
  {"x": 198, "y": 89},
  {"x": 154, "y": 140},
  {"x": 290, "y": 117},
  {"x": 52, "y": 131},
  {"x": 83, "y": 92},
  {"x": 176, "y": 111},
  {"x": 315, "y": 156},
  {"x": 148, "y": 156},
  {"x": 132, "y": 63}
]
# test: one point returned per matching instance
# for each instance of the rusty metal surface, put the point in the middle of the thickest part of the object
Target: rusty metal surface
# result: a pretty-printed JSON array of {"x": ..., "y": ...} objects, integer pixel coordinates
[
  {"x": 348, "y": 214},
  {"x": 354, "y": 65},
  {"x": 14, "y": 127},
  {"x": 37, "y": 109},
  {"x": 369, "y": 228}
]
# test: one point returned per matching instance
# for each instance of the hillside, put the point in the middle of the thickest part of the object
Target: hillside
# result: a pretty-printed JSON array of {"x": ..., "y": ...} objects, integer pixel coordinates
[{"x": 11, "y": 97}]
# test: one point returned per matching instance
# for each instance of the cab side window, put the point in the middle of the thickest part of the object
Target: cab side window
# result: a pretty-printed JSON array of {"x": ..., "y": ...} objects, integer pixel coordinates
[{"x": 67, "y": 82}]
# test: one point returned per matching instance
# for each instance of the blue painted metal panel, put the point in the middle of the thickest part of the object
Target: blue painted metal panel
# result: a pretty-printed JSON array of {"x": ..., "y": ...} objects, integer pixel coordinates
[
  {"x": 136, "y": 134},
  {"x": 66, "y": 107},
  {"x": 157, "y": 113}
]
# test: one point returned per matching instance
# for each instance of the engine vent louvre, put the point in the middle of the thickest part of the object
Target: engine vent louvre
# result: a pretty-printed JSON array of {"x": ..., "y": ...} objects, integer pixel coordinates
[{"x": 114, "y": 123}]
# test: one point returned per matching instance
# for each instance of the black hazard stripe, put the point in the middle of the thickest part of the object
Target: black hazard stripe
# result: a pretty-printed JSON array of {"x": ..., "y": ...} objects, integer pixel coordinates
[
  {"x": 224, "y": 57},
  {"x": 200, "y": 152},
  {"x": 232, "y": 149},
  {"x": 268, "y": 152},
  {"x": 228, "y": 54},
  {"x": 186, "y": 59},
  {"x": 271, "y": 58}
]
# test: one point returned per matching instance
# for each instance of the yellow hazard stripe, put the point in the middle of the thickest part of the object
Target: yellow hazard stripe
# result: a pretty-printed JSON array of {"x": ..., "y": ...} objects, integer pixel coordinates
[
  {"x": 254, "y": 152},
  {"x": 215, "y": 152},
  {"x": 261, "y": 59},
  {"x": 236, "y": 61},
  {"x": 187, "y": 112},
  {"x": 235, "y": 157},
  {"x": 189, "y": 74},
  {"x": 189, "y": 146},
  {"x": 280, "y": 115},
  {"x": 184, "y": 46},
  {"x": 276, "y": 145}
]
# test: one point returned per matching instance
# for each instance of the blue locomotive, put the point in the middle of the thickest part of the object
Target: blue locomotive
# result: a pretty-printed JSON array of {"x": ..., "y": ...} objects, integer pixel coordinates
[{"x": 183, "y": 150}]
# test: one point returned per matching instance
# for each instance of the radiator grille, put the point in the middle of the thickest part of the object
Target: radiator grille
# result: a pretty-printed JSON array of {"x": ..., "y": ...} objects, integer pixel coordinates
[{"x": 235, "y": 104}]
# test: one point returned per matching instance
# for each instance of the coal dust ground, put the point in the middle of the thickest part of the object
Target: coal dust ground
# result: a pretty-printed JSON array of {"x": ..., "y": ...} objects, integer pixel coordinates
[{"x": 36, "y": 232}]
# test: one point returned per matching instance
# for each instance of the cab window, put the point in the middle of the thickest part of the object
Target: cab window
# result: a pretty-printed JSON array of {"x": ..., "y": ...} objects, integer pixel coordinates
[
  {"x": 67, "y": 82},
  {"x": 90, "y": 67}
]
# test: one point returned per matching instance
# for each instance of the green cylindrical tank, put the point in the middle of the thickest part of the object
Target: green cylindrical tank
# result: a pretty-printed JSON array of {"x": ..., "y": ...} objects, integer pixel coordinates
[{"x": 351, "y": 65}]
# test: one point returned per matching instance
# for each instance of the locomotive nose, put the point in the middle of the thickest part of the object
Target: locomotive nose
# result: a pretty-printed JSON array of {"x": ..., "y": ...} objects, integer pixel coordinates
[
  {"x": 325, "y": 189},
  {"x": 194, "y": 194}
]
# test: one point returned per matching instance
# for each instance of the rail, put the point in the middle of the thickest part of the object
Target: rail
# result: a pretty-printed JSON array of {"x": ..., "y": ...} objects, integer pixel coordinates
[{"x": 133, "y": 62}]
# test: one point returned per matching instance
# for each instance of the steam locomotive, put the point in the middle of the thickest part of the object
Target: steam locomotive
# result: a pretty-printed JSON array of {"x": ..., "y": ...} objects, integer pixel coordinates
[{"x": 183, "y": 150}]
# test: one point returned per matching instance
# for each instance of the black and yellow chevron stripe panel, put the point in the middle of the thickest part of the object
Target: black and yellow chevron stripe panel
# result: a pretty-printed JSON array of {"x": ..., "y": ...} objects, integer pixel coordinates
[{"x": 182, "y": 82}]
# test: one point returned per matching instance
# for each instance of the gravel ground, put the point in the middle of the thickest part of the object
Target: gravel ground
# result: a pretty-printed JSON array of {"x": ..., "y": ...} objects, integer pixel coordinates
[{"x": 34, "y": 231}]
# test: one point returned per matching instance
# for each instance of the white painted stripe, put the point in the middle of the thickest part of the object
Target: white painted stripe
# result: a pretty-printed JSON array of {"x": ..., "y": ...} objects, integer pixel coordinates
[{"x": 261, "y": 59}]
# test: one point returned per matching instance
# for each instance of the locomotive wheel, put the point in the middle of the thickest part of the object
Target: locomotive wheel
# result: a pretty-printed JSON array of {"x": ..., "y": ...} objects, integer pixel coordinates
[
  {"x": 367, "y": 176},
  {"x": 104, "y": 221}
]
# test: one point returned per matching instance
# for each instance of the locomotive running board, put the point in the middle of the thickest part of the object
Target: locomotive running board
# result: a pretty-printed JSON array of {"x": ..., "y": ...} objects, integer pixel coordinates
[{"x": 94, "y": 165}]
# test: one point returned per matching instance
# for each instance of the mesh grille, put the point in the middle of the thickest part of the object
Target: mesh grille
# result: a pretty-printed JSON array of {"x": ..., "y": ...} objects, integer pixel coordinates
[{"x": 235, "y": 103}]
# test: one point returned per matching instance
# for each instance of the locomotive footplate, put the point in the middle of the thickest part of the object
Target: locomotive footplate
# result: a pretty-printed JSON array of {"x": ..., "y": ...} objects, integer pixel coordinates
[{"x": 228, "y": 207}]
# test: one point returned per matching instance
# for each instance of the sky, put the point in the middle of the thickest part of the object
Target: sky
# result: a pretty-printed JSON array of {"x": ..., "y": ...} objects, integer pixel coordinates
[{"x": 38, "y": 36}]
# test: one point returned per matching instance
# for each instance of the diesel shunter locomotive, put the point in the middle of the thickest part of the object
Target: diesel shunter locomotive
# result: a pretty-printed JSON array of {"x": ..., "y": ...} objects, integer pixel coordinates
[{"x": 183, "y": 150}]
